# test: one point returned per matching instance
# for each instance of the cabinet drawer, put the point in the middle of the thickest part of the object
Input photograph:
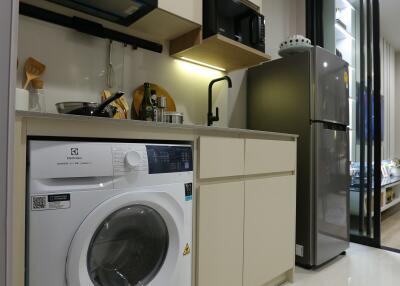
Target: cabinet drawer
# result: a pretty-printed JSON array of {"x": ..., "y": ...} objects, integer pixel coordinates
[
  {"x": 220, "y": 234},
  {"x": 269, "y": 229},
  {"x": 221, "y": 157},
  {"x": 269, "y": 156}
]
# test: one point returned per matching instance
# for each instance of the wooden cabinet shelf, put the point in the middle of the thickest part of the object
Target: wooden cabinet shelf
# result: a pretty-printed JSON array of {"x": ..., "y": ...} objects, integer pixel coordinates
[
  {"x": 217, "y": 51},
  {"x": 161, "y": 24}
]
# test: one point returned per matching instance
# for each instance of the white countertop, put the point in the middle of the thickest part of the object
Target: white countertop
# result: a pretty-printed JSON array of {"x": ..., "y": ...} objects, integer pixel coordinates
[{"x": 155, "y": 125}]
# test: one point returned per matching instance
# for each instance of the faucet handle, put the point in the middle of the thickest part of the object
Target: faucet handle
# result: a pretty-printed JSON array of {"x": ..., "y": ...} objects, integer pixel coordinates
[{"x": 216, "y": 114}]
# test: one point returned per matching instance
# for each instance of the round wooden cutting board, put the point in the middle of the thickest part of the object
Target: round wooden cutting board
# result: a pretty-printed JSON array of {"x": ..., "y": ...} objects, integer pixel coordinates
[{"x": 138, "y": 98}]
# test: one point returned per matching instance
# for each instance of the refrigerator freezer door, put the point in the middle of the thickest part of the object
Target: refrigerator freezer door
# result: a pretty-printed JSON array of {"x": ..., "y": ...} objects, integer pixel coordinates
[
  {"x": 331, "y": 185},
  {"x": 331, "y": 101}
]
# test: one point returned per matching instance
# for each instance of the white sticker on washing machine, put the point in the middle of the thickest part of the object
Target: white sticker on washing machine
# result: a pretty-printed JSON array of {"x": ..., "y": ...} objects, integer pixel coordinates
[
  {"x": 51, "y": 202},
  {"x": 188, "y": 192}
]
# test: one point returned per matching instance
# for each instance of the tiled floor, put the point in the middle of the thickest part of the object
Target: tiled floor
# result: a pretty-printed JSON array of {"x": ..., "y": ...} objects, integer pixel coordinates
[{"x": 362, "y": 266}]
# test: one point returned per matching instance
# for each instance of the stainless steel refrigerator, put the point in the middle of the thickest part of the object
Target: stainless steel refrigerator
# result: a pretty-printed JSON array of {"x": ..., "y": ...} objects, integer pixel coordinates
[{"x": 308, "y": 94}]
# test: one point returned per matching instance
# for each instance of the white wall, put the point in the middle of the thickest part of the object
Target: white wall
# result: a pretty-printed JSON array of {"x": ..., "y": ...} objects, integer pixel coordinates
[
  {"x": 76, "y": 65},
  {"x": 284, "y": 18},
  {"x": 397, "y": 105}
]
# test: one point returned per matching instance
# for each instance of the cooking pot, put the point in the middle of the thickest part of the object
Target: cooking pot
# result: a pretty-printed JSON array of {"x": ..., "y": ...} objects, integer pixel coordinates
[{"x": 173, "y": 117}]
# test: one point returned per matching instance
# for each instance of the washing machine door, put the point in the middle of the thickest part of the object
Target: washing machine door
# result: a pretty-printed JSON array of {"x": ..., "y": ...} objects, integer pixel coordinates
[{"x": 129, "y": 240}]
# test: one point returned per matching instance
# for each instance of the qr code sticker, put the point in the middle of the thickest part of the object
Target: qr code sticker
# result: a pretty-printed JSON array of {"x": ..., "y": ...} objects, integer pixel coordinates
[{"x": 39, "y": 202}]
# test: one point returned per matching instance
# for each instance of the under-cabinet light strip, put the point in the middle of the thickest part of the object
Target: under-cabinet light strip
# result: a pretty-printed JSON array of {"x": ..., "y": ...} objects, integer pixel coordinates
[
  {"x": 202, "y": 64},
  {"x": 348, "y": 35}
]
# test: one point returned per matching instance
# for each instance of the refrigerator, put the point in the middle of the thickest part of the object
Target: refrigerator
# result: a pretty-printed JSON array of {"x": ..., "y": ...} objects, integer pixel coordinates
[{"x": 308, "y": 94}]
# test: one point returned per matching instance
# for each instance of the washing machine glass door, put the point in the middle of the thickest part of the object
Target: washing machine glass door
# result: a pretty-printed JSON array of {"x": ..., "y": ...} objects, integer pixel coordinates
[
  {"x": 128, "y": 248},
  {"x": 132, "y": 239}
]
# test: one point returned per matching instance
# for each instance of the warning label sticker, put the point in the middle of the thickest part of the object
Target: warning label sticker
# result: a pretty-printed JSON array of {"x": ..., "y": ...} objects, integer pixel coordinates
[{"x": 186, "y": 251}]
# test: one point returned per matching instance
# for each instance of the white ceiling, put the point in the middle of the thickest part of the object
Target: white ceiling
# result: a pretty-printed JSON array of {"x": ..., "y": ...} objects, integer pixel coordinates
[{"x": 390, "y": 21}]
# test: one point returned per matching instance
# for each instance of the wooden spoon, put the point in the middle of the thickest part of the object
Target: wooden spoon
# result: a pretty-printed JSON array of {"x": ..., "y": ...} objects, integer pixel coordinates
[
  {"x": 37, "y": 83},
  {"x": 33, "y": 70}
]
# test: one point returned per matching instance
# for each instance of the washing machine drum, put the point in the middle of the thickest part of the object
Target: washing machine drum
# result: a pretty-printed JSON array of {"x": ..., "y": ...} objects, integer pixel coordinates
[{"x": 128, "y": 248}]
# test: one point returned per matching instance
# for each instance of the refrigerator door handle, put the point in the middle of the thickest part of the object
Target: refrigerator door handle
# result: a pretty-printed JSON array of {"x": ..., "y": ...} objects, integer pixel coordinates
[{"x": 333, "y": 126}]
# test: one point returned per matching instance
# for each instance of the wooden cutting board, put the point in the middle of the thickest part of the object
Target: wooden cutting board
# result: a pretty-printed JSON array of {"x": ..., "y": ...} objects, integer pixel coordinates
[
  {"x": 138, "y": 98},
  {"x": 121, "y": 104}
]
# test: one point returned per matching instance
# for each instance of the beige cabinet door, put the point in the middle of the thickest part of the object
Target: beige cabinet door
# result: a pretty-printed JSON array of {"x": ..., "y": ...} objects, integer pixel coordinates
[
  {"x": 220, "y": 234},
  {"x": 269, "y": 156},
  {"x": 269, "y": 231},
  {"x": 188, "y": 9},
  {"x": 221, "y": 157},
  {"x": 256, "y": 2}
]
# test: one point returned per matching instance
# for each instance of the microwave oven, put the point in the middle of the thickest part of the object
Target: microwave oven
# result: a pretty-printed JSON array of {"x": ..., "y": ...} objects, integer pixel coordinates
[{"x": 235, "y": 20}]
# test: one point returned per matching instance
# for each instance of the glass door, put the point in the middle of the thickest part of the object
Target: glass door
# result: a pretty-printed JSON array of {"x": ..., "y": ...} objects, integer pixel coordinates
[
  {"x": 128, "y": 248},
  {"x": 350, "y": 29}
]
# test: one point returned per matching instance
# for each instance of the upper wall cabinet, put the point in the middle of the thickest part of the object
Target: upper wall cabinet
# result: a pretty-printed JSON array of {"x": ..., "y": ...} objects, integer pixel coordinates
[
  {"x": 188, "y": 9},
  {"x": 156, "y": 21},
  {"x": 258, "y": 3},
  {"x": 232, "y": 36},
  {"x": 224, "y": 34}
]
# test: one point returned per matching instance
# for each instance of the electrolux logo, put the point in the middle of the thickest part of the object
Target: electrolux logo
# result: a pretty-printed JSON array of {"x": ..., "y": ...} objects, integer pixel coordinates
[
  {"x": 74, "y": 154},
  {"x": 74, "y": 151}
]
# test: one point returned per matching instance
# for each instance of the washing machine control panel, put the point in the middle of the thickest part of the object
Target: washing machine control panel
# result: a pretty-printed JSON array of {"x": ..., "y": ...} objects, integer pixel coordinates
[
  {"x": 169, "y": 159},
  {"x": 133, "y": 159},
  {"x": 128, "y": 158},
  {"x": 151, "y": 158}
]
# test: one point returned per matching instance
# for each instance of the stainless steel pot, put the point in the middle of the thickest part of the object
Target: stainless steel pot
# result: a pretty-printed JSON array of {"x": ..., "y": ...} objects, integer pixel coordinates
[{"x": 173, "y": 117}]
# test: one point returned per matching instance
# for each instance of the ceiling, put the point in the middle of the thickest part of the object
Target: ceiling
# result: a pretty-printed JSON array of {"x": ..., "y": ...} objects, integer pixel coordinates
[{"x": 390, "y": 22}]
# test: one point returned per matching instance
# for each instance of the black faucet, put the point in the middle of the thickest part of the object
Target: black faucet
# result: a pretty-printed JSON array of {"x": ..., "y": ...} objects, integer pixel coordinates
[{"x": 210, "y": 117}]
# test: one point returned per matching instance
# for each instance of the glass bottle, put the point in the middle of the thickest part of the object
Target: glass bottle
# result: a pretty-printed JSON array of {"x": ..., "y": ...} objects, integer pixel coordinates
[{"x": 146, "y": 108}]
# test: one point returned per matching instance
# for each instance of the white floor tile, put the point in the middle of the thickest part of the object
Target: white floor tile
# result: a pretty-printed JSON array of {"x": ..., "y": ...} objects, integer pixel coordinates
[{"x": 362, "y": 266}]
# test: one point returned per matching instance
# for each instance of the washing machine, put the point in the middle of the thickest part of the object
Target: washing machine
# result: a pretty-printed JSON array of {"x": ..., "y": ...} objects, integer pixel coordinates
[{"x": 109, "y": 214}]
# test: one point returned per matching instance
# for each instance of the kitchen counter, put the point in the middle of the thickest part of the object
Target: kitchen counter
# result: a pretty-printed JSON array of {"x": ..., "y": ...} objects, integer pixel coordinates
[
  {"x": 46, "y": 125},
  {"x": 188, "y": 128}
]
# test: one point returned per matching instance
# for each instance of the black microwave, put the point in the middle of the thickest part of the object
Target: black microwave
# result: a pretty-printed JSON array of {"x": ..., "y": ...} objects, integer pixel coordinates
[{"x": 235, "y": 20}]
